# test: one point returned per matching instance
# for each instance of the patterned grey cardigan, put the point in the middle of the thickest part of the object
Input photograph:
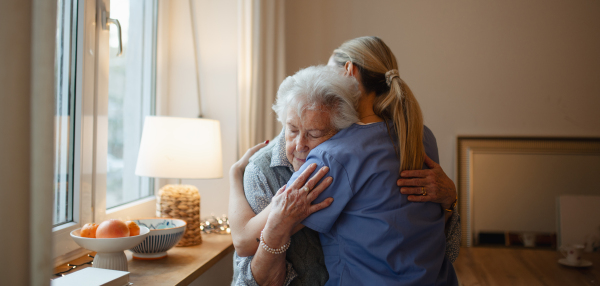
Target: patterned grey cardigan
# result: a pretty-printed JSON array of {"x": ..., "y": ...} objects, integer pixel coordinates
[{"x": 269, "y": 170}]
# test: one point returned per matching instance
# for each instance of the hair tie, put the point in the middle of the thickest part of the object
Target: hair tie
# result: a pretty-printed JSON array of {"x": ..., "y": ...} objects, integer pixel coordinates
[{"x": 390, "y": 75}]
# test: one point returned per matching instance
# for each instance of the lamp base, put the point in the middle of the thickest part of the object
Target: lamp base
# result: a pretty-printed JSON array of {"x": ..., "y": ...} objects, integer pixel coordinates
[{"x": 182, "y": 202}]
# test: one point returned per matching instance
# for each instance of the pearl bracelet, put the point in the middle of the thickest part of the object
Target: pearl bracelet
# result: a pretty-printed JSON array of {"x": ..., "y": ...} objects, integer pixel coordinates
[{"x": 280, "y": 250}]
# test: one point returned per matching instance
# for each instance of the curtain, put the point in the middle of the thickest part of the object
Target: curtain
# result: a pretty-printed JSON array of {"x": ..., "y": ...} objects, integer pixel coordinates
[
  {"x": 27, "y": 46},
  {"x": 261, "y": 68}
]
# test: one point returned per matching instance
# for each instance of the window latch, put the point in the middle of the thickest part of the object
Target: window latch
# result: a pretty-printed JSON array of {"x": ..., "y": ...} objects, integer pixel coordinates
[{"x": 107, "y": 21}]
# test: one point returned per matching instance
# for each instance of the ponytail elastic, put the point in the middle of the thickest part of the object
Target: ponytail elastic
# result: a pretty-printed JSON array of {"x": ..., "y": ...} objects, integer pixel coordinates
[{"x": 390, "y": 75}]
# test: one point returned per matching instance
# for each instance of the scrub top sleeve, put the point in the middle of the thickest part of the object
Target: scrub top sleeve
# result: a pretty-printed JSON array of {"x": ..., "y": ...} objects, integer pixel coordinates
[
  {"x": 339, "y": 190},
  {"x": 430, "y": 145}
]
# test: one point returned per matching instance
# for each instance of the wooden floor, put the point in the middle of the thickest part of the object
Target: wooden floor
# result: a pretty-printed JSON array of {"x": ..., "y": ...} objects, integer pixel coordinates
[{"x": 521, "y": 266}]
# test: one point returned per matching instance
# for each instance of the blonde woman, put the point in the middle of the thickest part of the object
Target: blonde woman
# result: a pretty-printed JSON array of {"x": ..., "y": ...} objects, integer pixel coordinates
[{"x": 369, "y": 233}]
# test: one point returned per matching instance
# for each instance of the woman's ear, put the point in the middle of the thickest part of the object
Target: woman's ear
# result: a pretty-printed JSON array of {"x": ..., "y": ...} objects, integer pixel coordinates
[{"x": 349, "y": 67}]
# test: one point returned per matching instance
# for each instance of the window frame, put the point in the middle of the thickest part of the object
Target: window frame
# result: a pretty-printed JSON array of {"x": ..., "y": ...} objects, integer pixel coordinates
[
  {"x": 65, "y": 84},
  {"x": 91, "y": 131}
]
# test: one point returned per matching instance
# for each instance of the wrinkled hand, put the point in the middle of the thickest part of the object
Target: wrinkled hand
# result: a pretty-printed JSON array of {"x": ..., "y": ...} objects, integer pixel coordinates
[
  {"x": 292, "y": 204},
  {"x": 436, "y": 184},
  {"x": 238, "y": 168}
]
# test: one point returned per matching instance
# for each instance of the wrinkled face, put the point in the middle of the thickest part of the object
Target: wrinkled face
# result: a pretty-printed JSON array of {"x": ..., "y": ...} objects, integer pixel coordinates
[{"x": 304, "y": 134}]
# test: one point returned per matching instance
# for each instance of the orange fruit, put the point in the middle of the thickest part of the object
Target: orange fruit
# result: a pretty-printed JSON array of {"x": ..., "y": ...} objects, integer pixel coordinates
[
  {"x": 134, "y": 229},
  {"x": 112, "y": 228},
  {"x": 89, "y": 230}
]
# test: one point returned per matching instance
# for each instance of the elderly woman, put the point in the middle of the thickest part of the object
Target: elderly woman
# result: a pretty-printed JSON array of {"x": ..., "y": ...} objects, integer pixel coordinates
[{"x": 321, "y": 102}]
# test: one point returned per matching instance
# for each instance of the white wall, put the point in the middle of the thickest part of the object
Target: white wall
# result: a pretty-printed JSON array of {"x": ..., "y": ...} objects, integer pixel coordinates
[
  {"x": 217, "y": 32},
  {"x": 520, "y": 68},
  {"x": 216, "y": 26}
]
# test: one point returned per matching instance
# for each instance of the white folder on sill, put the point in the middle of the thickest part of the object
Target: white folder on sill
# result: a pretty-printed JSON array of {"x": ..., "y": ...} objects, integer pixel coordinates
[{"x": 93, "y": 277}]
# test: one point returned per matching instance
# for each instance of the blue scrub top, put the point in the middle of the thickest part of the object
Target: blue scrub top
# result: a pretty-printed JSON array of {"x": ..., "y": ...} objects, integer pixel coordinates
[{"x": 371, "y": 234}]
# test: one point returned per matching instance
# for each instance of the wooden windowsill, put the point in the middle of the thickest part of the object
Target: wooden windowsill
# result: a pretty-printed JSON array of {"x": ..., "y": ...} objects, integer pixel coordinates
[{"x": 182, "y": 266}]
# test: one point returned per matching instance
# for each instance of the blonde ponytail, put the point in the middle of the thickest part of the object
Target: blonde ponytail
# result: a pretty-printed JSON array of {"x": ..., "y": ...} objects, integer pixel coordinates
[
  {"x": 394, "y": 101},
  {"x": 401, "y": 105}
]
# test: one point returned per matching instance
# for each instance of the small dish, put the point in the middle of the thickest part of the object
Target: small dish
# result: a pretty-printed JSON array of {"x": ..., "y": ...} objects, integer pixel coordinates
[
  {"x": 164, "y": 234},
  {"x": 584, "y": 263}
]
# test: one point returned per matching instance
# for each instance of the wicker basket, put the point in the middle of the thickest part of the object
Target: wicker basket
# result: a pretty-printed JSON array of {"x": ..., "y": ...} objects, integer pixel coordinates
[{"x": 182, "y": 202}]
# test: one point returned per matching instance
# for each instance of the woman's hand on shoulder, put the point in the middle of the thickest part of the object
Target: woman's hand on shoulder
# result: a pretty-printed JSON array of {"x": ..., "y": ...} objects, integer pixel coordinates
[
  {"x": 292, "y": 204},
  {"x": 245, "y": 224},
  {"x": 432, "y": 185},
  {"x": 237, "y": 169}
]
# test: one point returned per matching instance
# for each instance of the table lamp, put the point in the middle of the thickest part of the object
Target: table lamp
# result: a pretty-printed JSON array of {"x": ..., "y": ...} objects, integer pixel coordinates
[{"x": 180, "y": 148}]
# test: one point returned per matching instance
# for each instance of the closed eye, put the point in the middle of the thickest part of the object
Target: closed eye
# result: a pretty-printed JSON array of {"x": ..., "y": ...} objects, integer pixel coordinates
[
  {"x": 317, "y": 134},
  {"x": 292, "y": 128}
]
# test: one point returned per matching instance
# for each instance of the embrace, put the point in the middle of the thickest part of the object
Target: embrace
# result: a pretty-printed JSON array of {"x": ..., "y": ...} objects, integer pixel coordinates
[{"x": 350, "y": 192}]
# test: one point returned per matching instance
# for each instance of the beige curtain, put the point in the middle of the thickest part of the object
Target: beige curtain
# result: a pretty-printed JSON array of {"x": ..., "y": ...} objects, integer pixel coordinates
[
  {"x": 27, "y": 45},
  {"x": 261, "y": 69}
]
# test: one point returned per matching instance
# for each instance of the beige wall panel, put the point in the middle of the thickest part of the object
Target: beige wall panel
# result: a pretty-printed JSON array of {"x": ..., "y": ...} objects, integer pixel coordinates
[
  {"x": 579, "y": 221},
  {"x": 518, "y": 192}
]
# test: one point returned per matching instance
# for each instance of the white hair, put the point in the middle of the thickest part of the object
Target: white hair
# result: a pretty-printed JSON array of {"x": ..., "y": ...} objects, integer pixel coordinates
[{"x": 318, "y": 87}]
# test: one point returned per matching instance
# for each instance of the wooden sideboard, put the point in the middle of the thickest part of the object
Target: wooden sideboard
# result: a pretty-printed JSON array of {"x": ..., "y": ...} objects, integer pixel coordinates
[{"x": 183, "y": 265}]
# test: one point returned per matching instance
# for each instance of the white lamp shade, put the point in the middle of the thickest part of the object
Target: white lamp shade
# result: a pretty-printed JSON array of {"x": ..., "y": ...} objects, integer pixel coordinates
[{"x": 184, "y": 148}]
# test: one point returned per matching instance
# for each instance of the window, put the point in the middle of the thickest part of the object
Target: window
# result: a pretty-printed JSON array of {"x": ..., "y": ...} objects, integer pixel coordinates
[
  {"x": 102, "y": 99},
  {"x": 130, "y": 98},
  {"x": 64, "y": 119}
]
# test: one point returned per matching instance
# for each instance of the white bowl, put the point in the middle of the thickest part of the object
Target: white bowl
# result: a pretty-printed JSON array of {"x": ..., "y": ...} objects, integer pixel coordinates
[
  {"x": 109, "y": 251},
  {"x": 164, "y": 234}
]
